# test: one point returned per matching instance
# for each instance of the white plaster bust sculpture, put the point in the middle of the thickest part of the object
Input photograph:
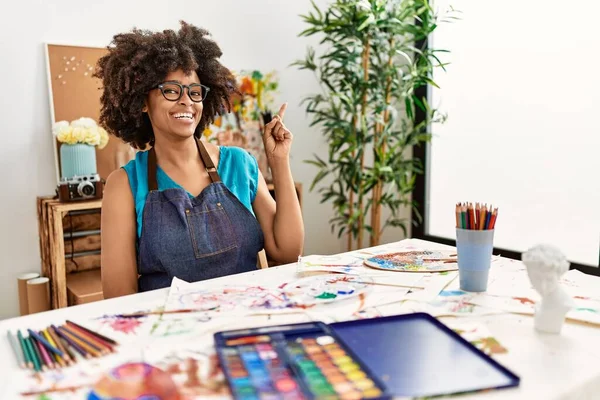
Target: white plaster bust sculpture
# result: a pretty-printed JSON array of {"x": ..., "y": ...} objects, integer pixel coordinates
[{"x": 545, "y": 265}]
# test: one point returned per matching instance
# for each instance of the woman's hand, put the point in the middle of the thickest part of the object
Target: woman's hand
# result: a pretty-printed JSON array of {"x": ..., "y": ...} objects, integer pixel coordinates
[{"x": 277, "y": 138}]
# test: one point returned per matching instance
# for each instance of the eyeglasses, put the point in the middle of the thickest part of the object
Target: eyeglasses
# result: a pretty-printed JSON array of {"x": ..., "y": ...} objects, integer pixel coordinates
[{"x": 173, "y": 91}]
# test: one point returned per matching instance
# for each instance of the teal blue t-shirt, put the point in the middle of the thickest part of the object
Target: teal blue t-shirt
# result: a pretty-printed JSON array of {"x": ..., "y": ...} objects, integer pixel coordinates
[{"x": 237, "y": 168}]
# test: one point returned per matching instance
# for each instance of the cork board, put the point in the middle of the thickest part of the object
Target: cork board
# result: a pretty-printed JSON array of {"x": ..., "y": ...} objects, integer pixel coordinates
[{"x": 74, "y": 93}]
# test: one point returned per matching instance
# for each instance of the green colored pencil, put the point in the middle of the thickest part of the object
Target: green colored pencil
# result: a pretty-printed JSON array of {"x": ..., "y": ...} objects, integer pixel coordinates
[
  {"x": 33, "y": 353},
  {"x": 28, "y": 360},
  {"x": 16, "y": 349}
]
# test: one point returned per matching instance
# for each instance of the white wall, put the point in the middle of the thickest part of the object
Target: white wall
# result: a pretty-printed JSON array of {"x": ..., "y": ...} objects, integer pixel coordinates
[{"x": 257, "y": 34}]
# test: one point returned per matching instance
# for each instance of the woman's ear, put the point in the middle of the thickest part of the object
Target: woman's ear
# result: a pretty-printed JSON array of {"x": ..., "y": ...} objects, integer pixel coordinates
[{"x": 145, "y": 108}]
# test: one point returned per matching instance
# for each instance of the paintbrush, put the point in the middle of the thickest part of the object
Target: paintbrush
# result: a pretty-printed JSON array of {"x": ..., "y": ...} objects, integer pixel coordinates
[
  {"x": 53, "y": 390},
  {"x": 389, "y": 284},
  {"x": 145, "y": 313}
]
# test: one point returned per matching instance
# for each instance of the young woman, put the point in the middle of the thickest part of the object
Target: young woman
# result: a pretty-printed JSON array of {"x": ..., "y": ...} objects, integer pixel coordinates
[{"x": 185, "y": 208}]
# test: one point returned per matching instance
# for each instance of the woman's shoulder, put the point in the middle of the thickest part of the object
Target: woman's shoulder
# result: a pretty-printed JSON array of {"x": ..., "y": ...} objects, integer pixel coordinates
[
  {"x": 136, "y": 170},
  {"x": 118, "y": 184},
  {"x": 141, "y": 158}
]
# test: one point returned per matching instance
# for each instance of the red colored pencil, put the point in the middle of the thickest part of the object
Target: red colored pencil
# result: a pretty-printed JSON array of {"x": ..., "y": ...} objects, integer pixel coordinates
[
  {"x": 94, "y": 340},
  {"x": 106, "y": 339},
  {"x": 493, "y": 219}
]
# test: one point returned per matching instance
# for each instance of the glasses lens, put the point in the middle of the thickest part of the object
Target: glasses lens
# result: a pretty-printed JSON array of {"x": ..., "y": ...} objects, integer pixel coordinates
[
  {"x": 196, "y": 93},
  {"x": 171, "y": 91}
]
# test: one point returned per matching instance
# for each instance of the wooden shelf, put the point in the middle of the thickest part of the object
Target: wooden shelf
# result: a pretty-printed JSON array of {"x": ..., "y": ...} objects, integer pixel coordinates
[{"x": 69, "y": 242}]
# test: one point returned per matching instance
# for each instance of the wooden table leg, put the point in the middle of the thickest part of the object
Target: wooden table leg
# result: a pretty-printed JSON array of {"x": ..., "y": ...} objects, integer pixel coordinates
[{"x": 57, "y": 250}]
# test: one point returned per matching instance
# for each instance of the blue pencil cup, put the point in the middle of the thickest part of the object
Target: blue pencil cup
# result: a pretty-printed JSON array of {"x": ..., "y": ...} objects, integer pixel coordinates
[{"x": 474, "y": 251}]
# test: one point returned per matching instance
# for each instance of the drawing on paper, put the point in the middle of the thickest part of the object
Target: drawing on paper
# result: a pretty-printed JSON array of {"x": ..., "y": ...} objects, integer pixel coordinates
[
  {"x": 321, "y": 289},
  {"x": 414, "y": 261},
  {"x": 228, "y": 299},
  {"x": 123, "y": 325},
  {"x": 196, "y": 373}
]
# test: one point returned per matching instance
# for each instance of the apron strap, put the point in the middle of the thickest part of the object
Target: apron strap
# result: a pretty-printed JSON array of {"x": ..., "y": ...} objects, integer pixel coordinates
[
  {"x": 206, "y": 160},
  {"x": 152, "y": 183},
  {"x": 208, "y": 163}
]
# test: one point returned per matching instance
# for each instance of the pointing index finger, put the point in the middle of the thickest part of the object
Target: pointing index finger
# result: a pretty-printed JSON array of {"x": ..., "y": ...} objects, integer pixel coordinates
[{"x": 282, "y": 109}]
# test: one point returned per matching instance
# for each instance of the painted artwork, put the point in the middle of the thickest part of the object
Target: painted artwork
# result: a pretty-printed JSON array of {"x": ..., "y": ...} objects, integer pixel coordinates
[
  {"x": 188, "y": 373},
  {"x": 228, "y": 300},
  {"x": 243, "y": 126},
  {"x": 414, "y": 261},
  {"x": 321, "y": 289}
]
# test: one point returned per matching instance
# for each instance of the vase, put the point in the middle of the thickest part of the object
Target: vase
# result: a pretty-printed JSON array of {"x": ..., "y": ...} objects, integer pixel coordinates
[{"x": 77, "y": 159}]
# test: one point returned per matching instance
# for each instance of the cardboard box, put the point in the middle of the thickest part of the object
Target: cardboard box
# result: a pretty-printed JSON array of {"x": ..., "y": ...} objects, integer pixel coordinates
[{"x": 84, "y": 287}]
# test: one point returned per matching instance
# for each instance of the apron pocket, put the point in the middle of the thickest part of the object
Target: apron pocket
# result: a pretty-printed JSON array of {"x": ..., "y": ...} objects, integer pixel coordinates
[{"x": 211, "y": 231}]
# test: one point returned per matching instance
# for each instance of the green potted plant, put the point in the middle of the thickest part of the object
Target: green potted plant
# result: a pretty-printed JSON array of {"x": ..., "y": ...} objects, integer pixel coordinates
[{"x": 370, "y": 70}]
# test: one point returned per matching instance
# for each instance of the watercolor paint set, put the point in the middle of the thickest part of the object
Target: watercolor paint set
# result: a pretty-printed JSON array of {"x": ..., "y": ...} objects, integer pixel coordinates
[{"x": 411, "y": 355}]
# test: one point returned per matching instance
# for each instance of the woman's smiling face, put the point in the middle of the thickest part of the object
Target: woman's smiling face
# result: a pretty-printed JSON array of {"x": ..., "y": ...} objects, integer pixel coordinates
[{"x": 175, "y": 118}]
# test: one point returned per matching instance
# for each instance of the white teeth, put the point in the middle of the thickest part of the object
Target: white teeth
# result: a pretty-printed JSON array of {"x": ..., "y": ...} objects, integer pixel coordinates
[{"x": 183, "y": 115}]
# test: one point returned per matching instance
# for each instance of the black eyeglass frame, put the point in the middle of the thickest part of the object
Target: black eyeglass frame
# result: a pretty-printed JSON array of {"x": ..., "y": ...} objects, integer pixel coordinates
[{"x": 205, "y": 90}]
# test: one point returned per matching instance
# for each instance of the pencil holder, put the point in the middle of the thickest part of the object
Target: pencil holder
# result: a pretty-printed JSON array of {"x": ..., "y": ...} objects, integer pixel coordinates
[{"x": 474, "y": 251}]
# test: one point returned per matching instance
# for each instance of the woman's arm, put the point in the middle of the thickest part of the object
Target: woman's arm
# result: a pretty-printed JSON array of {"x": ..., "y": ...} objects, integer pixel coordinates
[
  {"x": 281, "y": 222},
  {"x": 118, "y": 233}
]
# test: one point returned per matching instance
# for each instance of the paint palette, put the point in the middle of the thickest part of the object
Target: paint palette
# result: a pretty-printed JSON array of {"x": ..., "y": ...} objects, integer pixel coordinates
[
  {"x": 414, "y": 261},
  {"x": 301, "y": 361},
  {"x": 319, "y": 289},
  {"x": 407, "y": 356}
]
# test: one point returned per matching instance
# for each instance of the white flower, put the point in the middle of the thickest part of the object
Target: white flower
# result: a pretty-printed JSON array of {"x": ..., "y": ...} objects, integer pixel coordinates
[
  {"x": 84, "y": 122},
  {"x": 59, "y": 127}
]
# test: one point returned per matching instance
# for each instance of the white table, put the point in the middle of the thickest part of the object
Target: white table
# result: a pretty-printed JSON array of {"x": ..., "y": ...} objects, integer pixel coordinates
[{"x": 565, "y": 366}]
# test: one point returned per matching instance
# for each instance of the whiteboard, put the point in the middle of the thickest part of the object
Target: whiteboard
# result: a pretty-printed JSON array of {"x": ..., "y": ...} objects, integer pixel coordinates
[{"x": 522, "y": 97}]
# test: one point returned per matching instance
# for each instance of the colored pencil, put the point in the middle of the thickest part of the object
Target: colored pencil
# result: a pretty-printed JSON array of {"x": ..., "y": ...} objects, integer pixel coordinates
[
  {"x": 471, "y": 217},
  {"x": 108, "y": 340},
  {"x": 38, "y": 354},
  {"x": 58, "y": 359},
  {"x": 30, "y": 354},
  {"x": 91, "y": 350},
  {"x": 71, "y": 343},
  {"x": 93, "y": 339},
  {"x": 74, "y": 355},
  {"x": 37, "y": 364},
  {"x": 493, "y": 219},
  {"x": 45, "y": 354},
  {"x": 475, "y": 216},
  {"x": 25, "y": 349},
  {"x": 457, "y": 214},
  {"x": 487, "y": 219},
  {"x": 44, "y": 342},
  {"x": 16, "y": 349},
  {"x": 482, "y": 216},
  {"x": 85, "y": 340},
  {"x": 68, "y": 355}
]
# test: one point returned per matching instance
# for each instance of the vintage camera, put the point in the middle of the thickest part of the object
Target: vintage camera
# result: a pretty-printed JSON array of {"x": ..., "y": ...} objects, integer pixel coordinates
[{"x": 80, "y": 187}]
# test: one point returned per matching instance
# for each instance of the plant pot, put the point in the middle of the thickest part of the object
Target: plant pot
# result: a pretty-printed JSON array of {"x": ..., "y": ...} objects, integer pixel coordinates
[{"x": 77, "y": 159}]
